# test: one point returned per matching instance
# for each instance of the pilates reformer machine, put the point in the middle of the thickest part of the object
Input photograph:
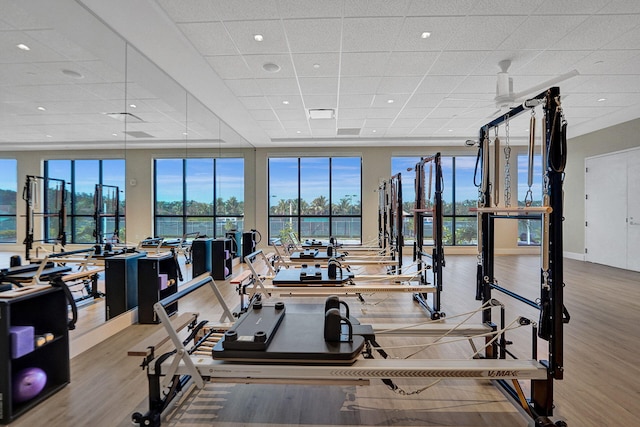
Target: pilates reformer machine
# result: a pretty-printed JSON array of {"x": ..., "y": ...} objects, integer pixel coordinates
[
  {"x": 106, "y": 202},
  {"x": 263, "y": 280},
  {"x": 180, "y": 245},
  {"x": 552, "y": 312},
  {"x": 428, "y": 210},
  {"x": 45, "y": 198},
  {"x": 310, "y": 345}
]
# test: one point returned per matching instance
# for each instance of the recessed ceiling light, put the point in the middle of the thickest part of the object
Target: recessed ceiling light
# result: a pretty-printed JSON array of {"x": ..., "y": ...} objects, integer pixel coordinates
[
  {"x": 133, "y": 106},
  {"x": 185, "y": 133},
  {"x": 390, "y": 101},
  {"x": 285, "y": 102},
  {"x": 425, "y": 35},
  {"x": 41, "y": 108},
  {"x": 49, "y": 136},
  {"x": 450, "y": 130},
  {"x": 316, "y": 66},
  {"x": 374, "y": 131},
  {"x": 602, "y": 99},
  {"x": 72, "y": 73},
  {"x": 114, "y": 134},
  {"x": 23, "y": 46},
  {"x": 270, "y": 67},
  {"x": 258, "y": 37},
  {"x": 298, "y": 131}
]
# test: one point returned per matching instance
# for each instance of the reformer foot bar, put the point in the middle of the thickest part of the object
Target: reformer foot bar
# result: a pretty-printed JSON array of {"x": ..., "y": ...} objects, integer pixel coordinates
[{"x": 348, "y": 361}]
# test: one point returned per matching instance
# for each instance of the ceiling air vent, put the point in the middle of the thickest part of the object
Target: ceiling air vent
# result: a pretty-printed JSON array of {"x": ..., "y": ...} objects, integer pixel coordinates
[
  {"x": 139, "y": 134},
  {"x": 348, "y": 132}
]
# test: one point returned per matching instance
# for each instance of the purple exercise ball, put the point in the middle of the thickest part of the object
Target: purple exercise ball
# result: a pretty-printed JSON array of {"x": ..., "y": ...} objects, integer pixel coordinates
[{"x": 28, "y": 383}]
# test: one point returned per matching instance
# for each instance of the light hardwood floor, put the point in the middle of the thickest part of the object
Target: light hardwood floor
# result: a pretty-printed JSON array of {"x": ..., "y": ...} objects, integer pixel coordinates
[{"x": 601, "y": 385}]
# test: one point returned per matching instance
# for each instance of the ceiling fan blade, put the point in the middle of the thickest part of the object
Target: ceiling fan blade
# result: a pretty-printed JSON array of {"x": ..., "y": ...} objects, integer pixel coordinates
[{"x": 532, "y": 91}]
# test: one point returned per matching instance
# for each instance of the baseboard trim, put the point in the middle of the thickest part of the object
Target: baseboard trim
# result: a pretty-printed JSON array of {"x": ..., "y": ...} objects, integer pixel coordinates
[
  {"x": 95, "y": 336},
  {"x": 574, "y": 255}
]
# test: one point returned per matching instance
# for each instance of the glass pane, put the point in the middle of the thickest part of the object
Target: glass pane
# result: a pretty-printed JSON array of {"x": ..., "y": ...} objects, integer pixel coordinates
[
  {"x": 8, "y": 229},
  {"x": 279, "y": 228},
  {"x": 529, "y": 232},
  {"x": 168, "y": 181},
  {"x": 203, "y": 226},
  {"x": 314, "y": 186},
  {"x": 314, "y": 228},
  {"x": 169, "y": 227},
  {"x": 84, "y": 228},
  {"x": 199, "y": 183},
  {"x": 466, "y": 231},
  {"x": 8, "y": 186},
  {"x": 447, "y": 186},
  {"x": 447, "y": 231},
  {"x": 466, "y": 192},
  {"x": 283, "y": 186},
  {"x": 225, "y": 224},
  {"x": 347, "y": 230},
  {"x": 86, "y": 176},
  {"x": 346, "y": 185},
  {"x": 401, "y": 165},
  {"x": 113, "y": 173},
  {"x": 57, "y": 169},
  {"x": 230, "y": 186},
  {"x": 427, "y": 231}
]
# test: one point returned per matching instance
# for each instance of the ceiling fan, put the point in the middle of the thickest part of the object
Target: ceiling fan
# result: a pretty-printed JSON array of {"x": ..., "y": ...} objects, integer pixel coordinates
[{"x": 506, "y": 98}]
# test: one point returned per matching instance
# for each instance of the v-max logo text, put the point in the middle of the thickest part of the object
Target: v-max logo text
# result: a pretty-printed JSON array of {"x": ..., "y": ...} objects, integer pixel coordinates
[{"x": 496, "y": 374}]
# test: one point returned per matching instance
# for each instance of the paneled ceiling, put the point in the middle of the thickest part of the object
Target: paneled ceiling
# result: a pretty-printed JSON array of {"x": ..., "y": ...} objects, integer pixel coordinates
[{"x": 403, "y": 72}]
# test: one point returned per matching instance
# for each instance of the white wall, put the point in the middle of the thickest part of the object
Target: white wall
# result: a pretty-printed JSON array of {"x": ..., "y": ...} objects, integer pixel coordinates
[{"x": 615, "y": 138}]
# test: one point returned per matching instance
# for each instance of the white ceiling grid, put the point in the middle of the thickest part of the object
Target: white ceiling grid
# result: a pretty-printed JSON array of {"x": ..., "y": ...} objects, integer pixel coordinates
[{"x": 363, "y": 58}]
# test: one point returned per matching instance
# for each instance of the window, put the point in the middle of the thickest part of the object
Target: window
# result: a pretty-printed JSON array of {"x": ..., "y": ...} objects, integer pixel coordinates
[
  {"x": 459, "y": 194},
  {"x": 204, "y": 196},
  {"x": 8, "y": 190},
  {"x": 81, "y": 177},
  {"x": 529, "y": 230},
  {"x": 316, "y": 197}
]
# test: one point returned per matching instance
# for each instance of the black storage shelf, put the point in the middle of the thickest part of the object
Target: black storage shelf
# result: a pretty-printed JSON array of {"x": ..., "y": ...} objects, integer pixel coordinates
[
  {"x": 121, "y": 283},
  {"x": 149, "y": 292},
  {"x": 222, "y": 265},
  {"x": 46, "y": 311}
]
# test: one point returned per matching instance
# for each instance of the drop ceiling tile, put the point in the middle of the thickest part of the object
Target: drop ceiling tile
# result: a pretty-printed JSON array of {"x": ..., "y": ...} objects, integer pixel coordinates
[
  {"x": 191, "y": 11},
  {"x": 279, "y": 86},
  {"x": 382, "y": 100},
  {"x": 370, "y": 34},
  {"x": 414, "y": 113},
  {"x": 323, "y": 124},
  {"x": 276, "y": 133},
  {"x": 291, "y": 115},
  {"x": 285, "y": 102},
  {"x": 363, "y": 63},
  {"x": 494, "y": 31},
  {"x": 424, "y": 100},
  {"x": 501, "y": 7},
  {"x": 394, "y": 131},
  {"x": 242, "y": 33},
  {"x": 256, "y": 65},
  {"x": 477, "y": 85},
  {"x": 552, "y": 63},
  {"x": 244, "y": 87},
  {"x": 255, "y": 102},
  {"x": 406, "y": 123},
  {"x": 209, "y": 38},
  {"x": 379, "y": 123},
  {"x": 316, "y": 64},
  {"x": 460, "y": 63},
  {"x": 355, "y": 101},
  {"x": 310, "y": 9},
  {"x": 630, "y": 40},
  {"x": 406, "y": 84},
  {"x": 362, "y": 8},
  {"x": 442, "y": 30},
  {"x": 382, "y": 113},
  {"x": 597, "y": 31},
  {"x": 570, "y": 7},
  {"x": 324, "y": 132},
  {"x": 440, "y": 8},
  {"x": 320, "y": 101},
  {"x": 618, "y": 84},
  {"x": 353, "y": 113},
  {"x": 439, "y": 84},
  {"x": 548, "y": 31},
  {"x": 263, "y": 114},
  {"x": 313, "y": 35},
  {"x": 349, "y": 123},
  {"x": 359, "y": 85},
  {"x": 237, "y": 10},
  {"x": 318, "y": 85},
  {"x": 230, "y": 66},
  {"x": 269, "y": 125},
  {"x": 410, "y": 63}
]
